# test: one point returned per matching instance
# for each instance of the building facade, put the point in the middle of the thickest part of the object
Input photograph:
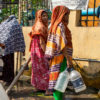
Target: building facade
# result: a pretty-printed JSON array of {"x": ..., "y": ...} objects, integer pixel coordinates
[{"x": 86, "y": 46}]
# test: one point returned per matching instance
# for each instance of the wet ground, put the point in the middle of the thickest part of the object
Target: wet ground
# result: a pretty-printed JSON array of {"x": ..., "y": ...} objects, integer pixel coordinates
[{"x": 24, "y": 91}]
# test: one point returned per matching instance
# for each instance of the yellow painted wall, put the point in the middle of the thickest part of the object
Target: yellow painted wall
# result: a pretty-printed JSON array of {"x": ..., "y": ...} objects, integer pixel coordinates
[
  {"x": 86, "y": 44},
  {"x": 26, "y": 30}
]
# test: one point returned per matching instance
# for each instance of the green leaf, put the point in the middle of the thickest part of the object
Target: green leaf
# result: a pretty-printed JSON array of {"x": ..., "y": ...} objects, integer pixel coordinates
[{"x": 12, "y": 0}]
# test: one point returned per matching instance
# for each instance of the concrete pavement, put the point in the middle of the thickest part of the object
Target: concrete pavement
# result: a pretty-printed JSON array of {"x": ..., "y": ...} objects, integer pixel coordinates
[{"x": 24, "y": 91}]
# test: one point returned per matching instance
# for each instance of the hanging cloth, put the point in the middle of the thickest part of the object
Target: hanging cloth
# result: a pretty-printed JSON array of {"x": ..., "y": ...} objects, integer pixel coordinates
[{"x": 11, "y": 36}]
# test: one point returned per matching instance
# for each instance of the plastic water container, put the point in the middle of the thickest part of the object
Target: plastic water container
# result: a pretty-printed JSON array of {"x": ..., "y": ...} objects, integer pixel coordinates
[
  {"x": 77, "y": 81},
  {"x": 62, "y": 81}
]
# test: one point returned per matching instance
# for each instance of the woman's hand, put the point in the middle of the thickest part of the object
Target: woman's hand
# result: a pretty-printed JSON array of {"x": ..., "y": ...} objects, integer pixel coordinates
[{"x": 69, "y": 61}]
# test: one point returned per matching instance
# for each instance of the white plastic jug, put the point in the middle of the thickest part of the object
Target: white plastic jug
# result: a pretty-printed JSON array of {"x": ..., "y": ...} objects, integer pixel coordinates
[
  {"x": 77, "y": 81},
  {"x": 62, "y": 81}
]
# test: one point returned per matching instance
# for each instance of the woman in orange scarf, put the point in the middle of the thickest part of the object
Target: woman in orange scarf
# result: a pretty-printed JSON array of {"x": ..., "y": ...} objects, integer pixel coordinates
[
  {"x": 40, "y": 75},
  {"x": 59, "y": 45}
]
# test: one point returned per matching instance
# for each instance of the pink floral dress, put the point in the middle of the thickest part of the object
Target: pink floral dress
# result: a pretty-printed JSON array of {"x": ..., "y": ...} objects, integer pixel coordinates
[{"x": 40, "y": 72}]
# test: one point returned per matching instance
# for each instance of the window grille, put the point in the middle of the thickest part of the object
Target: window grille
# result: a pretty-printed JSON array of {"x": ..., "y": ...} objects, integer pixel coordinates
[
  {"x": 7, "y": 8},
  {"x": 91, "y": 16},
  {"x": 28, "y": 9}
]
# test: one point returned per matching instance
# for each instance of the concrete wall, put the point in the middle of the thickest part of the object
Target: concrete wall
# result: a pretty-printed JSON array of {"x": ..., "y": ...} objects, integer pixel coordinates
[
  {"x": 26, "y": 30},
  {"x": 86, "y": 40},
  {"x": 86, "y": 43}
]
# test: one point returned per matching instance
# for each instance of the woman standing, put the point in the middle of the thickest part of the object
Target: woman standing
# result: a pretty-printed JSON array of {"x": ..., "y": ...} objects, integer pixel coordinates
[
  {"x": 59, "y": 45},
  {"x": 40, "y": 75}
]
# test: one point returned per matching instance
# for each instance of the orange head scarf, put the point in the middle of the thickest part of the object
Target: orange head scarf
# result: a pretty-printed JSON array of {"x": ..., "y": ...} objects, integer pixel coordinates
[
  {"x": 57, "y": 17},
  {"x": 39, "y": 27}
]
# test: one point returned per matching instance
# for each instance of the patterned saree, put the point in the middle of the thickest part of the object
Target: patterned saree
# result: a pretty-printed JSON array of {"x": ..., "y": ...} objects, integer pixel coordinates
[{"x": 40, "y": 73}]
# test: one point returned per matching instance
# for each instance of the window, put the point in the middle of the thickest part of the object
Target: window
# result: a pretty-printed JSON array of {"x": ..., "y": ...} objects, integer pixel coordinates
[{"x": 91, "y": 16}]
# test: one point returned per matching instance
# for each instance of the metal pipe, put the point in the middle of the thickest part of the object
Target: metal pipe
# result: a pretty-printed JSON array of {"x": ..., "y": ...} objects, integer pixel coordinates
[
  {"x": 84, "y": 59},
  {"x": 91, "y": 12},
  {"x": 94, "y": 13}
]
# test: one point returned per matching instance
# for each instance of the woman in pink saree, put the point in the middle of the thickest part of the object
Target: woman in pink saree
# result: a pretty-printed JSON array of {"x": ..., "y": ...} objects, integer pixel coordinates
[{"x": 40, "y": 72}]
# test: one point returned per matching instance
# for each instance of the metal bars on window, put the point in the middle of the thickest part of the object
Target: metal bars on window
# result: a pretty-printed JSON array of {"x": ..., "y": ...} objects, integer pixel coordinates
[
  {"x": 26, "y": 11},
  {"x": 7, "y": 8},
  {"x": 90, "y": 17},
  {"x": 29, "y": 8}
]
